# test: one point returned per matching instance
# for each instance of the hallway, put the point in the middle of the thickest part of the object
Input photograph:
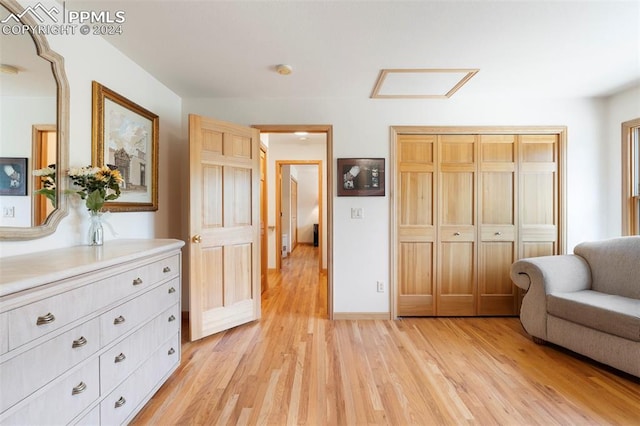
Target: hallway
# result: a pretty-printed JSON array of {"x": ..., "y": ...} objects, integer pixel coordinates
[{"x": 294, "y": 366}]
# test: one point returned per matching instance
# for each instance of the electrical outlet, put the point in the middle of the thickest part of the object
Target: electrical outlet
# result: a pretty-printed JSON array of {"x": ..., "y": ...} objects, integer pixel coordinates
[{"x": 380, "y": 287}]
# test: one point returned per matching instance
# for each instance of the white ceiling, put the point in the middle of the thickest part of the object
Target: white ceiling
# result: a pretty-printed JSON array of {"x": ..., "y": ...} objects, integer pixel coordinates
[{"x": 337, "y": 48}]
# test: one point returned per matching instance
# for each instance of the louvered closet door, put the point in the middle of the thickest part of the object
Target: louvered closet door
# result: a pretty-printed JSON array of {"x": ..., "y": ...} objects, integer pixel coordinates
[
  {"x": 415, "y": 162},
  {"x": 497, "y": 219},
  {"x": 539, "y": 198},
  {"x": 456, "y": 284}
]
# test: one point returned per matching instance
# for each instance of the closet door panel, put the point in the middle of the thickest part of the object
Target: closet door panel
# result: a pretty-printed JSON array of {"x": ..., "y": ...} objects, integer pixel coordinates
[
  {"x": 415, "y": 225},
  {"x": 538, "y": 194},
  {"x": 497, "y": 221},
  {"x": 456, "y": 284}
]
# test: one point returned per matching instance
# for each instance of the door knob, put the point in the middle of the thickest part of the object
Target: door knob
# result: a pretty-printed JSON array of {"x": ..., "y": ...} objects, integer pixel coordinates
[{"x": 196, "y": 239}]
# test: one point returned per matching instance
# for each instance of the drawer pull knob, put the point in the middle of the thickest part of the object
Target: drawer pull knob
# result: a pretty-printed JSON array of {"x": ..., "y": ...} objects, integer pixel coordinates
[
  {"x": 498, "y": 233},
  {"x": 172, "y": 290},
  {"x": 172, "y": 318},
  {"x": 79, "y": 342},
  {"x": 137, "y": 281},
  {"x": 121, "y": 402},
  {"x": 457, "y": 234},
  {"x": 120, "y": 358},
  {"x": 119, "y": 320},
  {"x": 79, "y": 389},
  {"x": 166, "y": 269},
  {"x": 171, "y": 351},
  {"x": 46, "y": 319}
]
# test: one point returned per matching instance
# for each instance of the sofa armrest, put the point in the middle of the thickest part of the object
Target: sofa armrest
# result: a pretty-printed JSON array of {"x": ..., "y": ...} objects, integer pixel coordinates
[
  {"x": 540, "y": 276},
  {"x": 562, "y": 273}
]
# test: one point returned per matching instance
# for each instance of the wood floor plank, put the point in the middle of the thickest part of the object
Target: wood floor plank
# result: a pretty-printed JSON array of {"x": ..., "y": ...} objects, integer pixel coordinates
[{"x": 295, "y": 367}]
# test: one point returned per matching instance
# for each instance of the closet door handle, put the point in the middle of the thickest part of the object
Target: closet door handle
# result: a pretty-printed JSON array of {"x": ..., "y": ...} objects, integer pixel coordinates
[
  {"x": 79, "y": 342},
  {"x": 79, "y": 389},
  {"x": 119, "y": 320},
  {"x": 120, "y": 402},
  {"x": 46, "y": 319}
]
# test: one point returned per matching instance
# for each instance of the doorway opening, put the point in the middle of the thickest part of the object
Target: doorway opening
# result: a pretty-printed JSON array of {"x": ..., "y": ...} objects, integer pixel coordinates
[{"x": 296, "y": 155}]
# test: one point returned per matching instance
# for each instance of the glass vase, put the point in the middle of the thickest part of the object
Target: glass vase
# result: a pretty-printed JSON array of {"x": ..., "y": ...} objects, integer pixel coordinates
[{"x": 96, "y": 232}]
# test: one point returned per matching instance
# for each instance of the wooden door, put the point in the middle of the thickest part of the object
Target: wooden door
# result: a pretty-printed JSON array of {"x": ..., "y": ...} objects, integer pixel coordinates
[
  {"x": 539, "y": 198},
  {"x": 224, "y": 225},
  {"x": 416, "y": 231},
  {"x": 264, "y": 220},
  {"x": 456, "y": 284},
  {"x": 294, "y": 214},
  {"x": 497, "y": 236}
]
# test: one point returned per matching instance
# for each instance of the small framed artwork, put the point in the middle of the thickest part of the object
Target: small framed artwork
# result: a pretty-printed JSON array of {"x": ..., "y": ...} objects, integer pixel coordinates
[
  {"x": 13, "y": 176},
  {"x": 126, "y": 135},
  {"x": 360, "y": 177}
]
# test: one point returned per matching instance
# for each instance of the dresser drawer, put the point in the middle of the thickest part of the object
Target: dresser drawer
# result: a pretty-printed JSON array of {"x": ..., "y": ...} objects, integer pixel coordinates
[
  {"x": 62, "y": 401},
  {"x": 124, "y": 357},
  {"x": 32, "y": 369},
  {"x": 128, "y": 316},
  {"x": 40, "y": 318},
  {"x": 120, "y": 404},
  {"x": 90, "y": 419},
  {"x": 4, "y": 333},
  {"x": 165, "y": 268}
]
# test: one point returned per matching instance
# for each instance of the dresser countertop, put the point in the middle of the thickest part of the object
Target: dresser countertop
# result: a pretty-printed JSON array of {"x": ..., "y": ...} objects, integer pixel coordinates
[{"x": 19, "y": 273}]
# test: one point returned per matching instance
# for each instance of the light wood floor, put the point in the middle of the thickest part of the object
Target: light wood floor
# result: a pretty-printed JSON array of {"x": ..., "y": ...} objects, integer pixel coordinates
[{"x": 296, "y": 367}]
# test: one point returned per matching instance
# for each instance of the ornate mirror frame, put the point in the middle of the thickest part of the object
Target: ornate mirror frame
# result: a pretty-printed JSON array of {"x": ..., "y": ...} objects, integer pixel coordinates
[{"x": 62, "y": 121}]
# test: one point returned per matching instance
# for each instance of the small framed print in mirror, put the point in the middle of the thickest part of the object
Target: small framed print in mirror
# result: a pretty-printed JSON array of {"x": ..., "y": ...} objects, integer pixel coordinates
[
  {"x": 13, "y": 176},
  {"x": 360, "y": 177}
]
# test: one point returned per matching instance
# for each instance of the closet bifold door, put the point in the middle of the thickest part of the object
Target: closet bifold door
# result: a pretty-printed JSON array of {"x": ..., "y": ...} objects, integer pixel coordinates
[
  {"x": 457, "y": 272},
  {"x": 498, "y": 234},
  {"x": 539, "y": 197},
  {"x": 415, "y": 221}
]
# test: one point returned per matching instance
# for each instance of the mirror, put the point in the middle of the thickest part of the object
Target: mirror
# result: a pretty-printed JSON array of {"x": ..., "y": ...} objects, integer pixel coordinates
[{"x": 34, "y": 125}]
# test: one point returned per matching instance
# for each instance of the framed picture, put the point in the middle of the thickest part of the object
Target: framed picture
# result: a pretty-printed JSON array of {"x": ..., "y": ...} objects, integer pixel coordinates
[
  {"x": 126, "y": 136},
  {"x": 360, "y": 176},
  {"x": 13, "y": 176}
]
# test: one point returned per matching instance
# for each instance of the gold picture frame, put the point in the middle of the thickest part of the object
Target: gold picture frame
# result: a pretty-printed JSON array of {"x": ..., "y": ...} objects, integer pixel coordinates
[{"x": 126, "y": 135}]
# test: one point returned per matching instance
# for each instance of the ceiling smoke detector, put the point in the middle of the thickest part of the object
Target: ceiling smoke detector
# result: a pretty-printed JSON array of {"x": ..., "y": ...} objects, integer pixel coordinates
[{"x": 284, "y": 69}]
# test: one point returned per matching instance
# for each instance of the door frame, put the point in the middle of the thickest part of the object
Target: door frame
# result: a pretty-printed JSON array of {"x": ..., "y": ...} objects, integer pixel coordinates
[
  {"x": 560, "y": 131},
  {"x": 327, "y": 129}
]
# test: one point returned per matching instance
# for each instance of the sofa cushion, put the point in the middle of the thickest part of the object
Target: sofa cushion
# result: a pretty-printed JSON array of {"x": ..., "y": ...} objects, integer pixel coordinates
[
  {"x": 605, "y": 312},
  {"x": 614, "y": 264}
]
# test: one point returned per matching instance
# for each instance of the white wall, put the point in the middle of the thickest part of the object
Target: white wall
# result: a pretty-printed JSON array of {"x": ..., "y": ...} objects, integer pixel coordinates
[
  {"x": 622, "y": 107},
  {"x": 361, "y": 129},
  {"x": 90, "y": 58}
]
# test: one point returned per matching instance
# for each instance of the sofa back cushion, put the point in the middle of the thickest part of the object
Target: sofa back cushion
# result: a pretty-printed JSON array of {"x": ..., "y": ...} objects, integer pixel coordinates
[{"x": 615, "y": 265}]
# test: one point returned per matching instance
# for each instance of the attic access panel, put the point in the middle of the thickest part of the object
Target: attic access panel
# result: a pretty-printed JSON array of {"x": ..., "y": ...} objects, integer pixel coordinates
[{"x": 420, "y": 83}]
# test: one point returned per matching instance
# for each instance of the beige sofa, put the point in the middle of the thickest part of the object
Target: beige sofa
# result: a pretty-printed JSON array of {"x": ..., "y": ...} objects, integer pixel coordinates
[{"x": 588, "y": 302}]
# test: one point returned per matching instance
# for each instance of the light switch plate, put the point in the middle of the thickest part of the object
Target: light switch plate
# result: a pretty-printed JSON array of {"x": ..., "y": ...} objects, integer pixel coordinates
[{"x": 357, "y": 213}]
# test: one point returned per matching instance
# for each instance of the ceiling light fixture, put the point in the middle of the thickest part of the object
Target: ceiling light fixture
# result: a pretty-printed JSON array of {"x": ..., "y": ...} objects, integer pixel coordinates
[
  {"x": 9, "y": 69},
  {"x": 301, "y": 133},
  {"x": 284, "y": 69}
]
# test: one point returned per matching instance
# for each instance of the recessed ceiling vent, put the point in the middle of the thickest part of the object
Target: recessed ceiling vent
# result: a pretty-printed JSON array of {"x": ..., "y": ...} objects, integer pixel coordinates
[{"x": 420, "y": 83}]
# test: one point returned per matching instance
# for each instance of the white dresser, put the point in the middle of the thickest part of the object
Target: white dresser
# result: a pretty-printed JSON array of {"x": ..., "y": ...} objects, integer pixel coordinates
[{"x": 88, "y": 334}]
